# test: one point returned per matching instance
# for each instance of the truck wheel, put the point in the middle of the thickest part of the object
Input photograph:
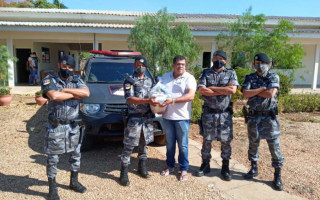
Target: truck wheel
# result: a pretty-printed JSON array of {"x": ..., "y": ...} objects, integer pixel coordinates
[
  {"x": 88, "y": 143},
  {"x": 160, "y": 140}
]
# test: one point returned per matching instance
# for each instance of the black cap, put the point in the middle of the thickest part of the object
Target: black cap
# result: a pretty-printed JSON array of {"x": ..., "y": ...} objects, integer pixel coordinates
[
  {"x": 262, "y": 57},
  {"x": 220, "y": 53},
  {"x": 68, "y": 60},
  {"x": 142, "y": 60}
]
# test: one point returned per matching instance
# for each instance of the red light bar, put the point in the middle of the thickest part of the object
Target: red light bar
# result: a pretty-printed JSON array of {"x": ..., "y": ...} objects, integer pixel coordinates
[{"x": 116, "y": 53}]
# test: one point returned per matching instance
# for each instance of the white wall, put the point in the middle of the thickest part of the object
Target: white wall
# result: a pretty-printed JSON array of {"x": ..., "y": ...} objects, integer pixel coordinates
[
  {"x": 53, "y": 49},
  {"x": 307, "y": 72},
  {"x": 114, "y": 45}
]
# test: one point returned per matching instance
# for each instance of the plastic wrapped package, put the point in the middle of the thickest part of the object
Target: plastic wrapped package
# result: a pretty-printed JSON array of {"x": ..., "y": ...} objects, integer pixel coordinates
[{"x": 161, "y": 94}]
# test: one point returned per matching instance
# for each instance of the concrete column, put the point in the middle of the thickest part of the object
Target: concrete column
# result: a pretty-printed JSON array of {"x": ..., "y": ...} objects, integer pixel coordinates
[
  {"x": 316, "y": 67},
  {"x": 10, "y": 62},
  {"x": 95, "y": 42},
  {"x": 76, "y": 58},
  {"x": 213, "y": 49}
]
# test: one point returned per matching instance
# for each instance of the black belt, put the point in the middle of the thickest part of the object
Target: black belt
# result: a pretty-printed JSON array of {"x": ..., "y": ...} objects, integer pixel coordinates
[
  {"x": 59, "y": 121},
  {"x": 260, "y": 113},
  {"x": 147, "y": 115},
  {"x": 211, "y": 110}
]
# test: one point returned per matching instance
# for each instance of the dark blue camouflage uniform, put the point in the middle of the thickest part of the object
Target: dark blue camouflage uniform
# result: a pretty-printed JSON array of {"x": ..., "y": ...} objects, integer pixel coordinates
[
  {"x": 263, "y": 126},
  {"x": 62, "y": 138},
  {"x": 139, "y": 130},
  {"x": 217, "y": 120}
]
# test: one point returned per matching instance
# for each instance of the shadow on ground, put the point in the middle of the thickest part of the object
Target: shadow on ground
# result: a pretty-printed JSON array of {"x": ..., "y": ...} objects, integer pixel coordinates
[{"x": 98, "y": 162}]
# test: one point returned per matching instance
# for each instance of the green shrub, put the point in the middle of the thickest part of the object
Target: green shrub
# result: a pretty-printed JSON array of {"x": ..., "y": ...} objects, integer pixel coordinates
[
  {"x": 85, "y": 55},
  {"x": 241, "y": 74},
  {"x": 39, "y": 92},
  {"x": 195, "y": 71},
  {"x": 299, "y": 103},
  {"x": 196, "y": 108},
  {"x": 285, "y": 84},
  {"x": 5, "y": 56},
  {"x": 4, "y": 91}
]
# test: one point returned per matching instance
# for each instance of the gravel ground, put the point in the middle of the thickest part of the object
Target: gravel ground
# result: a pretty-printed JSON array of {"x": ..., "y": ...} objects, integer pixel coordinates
[
  {"x": 300, "y": 146},
  {"x": 22, "y": 165}
]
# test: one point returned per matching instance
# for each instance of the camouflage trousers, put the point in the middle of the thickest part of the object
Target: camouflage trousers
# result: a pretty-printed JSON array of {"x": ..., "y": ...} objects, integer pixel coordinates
[
  {"x": 61, "y": 139},
  {"x": 264, "y": 127},
  {"x": 53, "y": 160},
  {"x": 127, "y": 151},
  {"x": 206, "y": 149},
  {"x": 135, "y": 126},
  {"x": 217, "y": 126},
  {"x": 274, "y": 148}
]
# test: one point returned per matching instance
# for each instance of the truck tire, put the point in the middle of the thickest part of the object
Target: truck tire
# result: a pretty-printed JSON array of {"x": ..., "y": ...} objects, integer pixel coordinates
[
  {"x": 160, "y": 140},
  {"x": 88, "y": 143}
]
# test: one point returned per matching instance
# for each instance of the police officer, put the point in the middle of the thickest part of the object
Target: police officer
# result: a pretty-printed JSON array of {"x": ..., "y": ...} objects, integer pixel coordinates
[
  {"x": 64, "y": 131},
  {"x": 139, "y": 130},
  {"x": 261, "y": 89},
  {"x": 216, "y": 85}
]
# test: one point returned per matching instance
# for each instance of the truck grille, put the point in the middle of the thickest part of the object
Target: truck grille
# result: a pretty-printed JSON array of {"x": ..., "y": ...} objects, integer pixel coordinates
[{"x": 115, "y": 108}]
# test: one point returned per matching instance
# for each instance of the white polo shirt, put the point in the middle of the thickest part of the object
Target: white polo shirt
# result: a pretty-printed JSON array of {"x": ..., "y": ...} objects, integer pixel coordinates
[{"x": 177, "y": 88}]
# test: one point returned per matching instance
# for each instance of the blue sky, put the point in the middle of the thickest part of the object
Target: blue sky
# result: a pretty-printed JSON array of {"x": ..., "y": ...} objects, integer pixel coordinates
[{"x": 307, "y": 8}]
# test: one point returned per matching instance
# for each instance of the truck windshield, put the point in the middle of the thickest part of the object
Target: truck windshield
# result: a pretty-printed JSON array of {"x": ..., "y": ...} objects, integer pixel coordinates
[{"x": 109, "y": 72}]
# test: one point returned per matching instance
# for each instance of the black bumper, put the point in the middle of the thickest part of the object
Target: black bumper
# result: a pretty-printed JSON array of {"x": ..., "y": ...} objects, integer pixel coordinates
[{"x": 111, "y": 124}]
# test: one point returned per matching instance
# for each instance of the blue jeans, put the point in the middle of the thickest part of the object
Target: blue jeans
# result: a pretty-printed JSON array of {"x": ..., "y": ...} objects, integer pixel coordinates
[
  {"x": 177, "y": 130},
  {"x": 31, "y": 76}
]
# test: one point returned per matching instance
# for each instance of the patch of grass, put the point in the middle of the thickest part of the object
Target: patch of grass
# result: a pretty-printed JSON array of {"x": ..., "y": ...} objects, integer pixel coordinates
[
  {"x": 304, "y": 189},
  {"x": 305, "y": 119},
  {"x": 299, "y": 103},
  {"x": 312, "y": 119},
  {"x": 237, "y": 113}
]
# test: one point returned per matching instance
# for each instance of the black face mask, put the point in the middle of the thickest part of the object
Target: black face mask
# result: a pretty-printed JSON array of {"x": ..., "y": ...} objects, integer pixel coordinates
[
  {"x": 141, "y": 70},
  {"x": 65, "y": 73},
  {"x": 218, "y": 64}
]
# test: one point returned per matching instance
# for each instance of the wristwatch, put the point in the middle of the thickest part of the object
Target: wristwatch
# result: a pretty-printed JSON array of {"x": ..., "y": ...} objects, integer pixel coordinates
[{"x": 173, "y": 101}]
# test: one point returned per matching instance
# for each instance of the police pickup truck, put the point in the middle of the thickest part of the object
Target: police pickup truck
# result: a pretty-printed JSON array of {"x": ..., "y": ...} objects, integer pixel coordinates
[{"x": 103, "y": 111}]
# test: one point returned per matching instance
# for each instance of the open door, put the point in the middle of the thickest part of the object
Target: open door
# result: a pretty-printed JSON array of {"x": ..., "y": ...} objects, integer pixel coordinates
[{"x": 22, "y": 72}]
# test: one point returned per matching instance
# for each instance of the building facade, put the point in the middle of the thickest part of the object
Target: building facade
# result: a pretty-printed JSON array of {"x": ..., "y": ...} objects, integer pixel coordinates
[{"x": 54, "y": 32}]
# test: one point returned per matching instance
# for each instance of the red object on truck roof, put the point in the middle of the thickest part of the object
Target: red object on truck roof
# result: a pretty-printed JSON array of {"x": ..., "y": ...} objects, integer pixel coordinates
[{"x": 116, "y": 53}]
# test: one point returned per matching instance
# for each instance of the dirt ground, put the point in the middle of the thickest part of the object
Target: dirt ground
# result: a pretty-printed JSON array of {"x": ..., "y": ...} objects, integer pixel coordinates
[
  {"x": 23, "y": 172},
  {"x": 300, "y": 146},
  {"x": 22, "y": 162}
]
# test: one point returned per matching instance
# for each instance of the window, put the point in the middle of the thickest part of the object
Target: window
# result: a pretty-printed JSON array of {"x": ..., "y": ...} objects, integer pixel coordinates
[
  {"x": 206, "y": 60},
  {"x": 45, "y": 55}
]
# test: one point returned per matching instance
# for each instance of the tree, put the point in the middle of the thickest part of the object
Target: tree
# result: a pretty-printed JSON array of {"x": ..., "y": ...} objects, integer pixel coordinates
[
  {"x": 42, "y": 4},
  {"x": 159, "y": 40},
  {"x": 4, "y": 65},
  {"x": 249, "y": 35},
  {"x": 33, "y": 4},
  {"x": 59, "y": 4}
]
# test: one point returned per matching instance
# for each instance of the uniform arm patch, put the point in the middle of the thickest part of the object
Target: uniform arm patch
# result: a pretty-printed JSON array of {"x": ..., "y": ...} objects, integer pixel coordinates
[
  {"x": 127, "y": 86},
  {"x": 46, "y": 82}
]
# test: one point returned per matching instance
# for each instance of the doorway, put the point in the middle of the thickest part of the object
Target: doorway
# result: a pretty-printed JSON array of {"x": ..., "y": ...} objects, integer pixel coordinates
[{"x": 22, "y": 72}]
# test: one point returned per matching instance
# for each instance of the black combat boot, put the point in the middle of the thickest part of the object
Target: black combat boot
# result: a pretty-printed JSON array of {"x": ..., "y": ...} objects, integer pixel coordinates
[
  {"x": 142, "y": 169},
  {"x": 253, "y": 171},
  {"x": 225, "y": 172},
  {"x": 74, "y": 183},
  {"x": 53, "y": 191},
  {"x": 124, "y": 179},
  {"x": 277, "y": 179},
  {"x": 204, "y": 168}
]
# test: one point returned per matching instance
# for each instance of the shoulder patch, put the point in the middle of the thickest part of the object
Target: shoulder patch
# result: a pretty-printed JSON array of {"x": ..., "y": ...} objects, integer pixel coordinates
[
  {"x": 127, "y": 86},
  {"x": 46, "y": 82}
]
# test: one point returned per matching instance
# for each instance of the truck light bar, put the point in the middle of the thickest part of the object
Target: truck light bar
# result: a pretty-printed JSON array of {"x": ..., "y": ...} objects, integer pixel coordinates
[{"x": 116, "y": 53}]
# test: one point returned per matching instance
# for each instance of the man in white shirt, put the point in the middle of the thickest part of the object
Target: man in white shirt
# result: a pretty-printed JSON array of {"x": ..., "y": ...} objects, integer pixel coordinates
[{"x": 182, "y": 86}]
